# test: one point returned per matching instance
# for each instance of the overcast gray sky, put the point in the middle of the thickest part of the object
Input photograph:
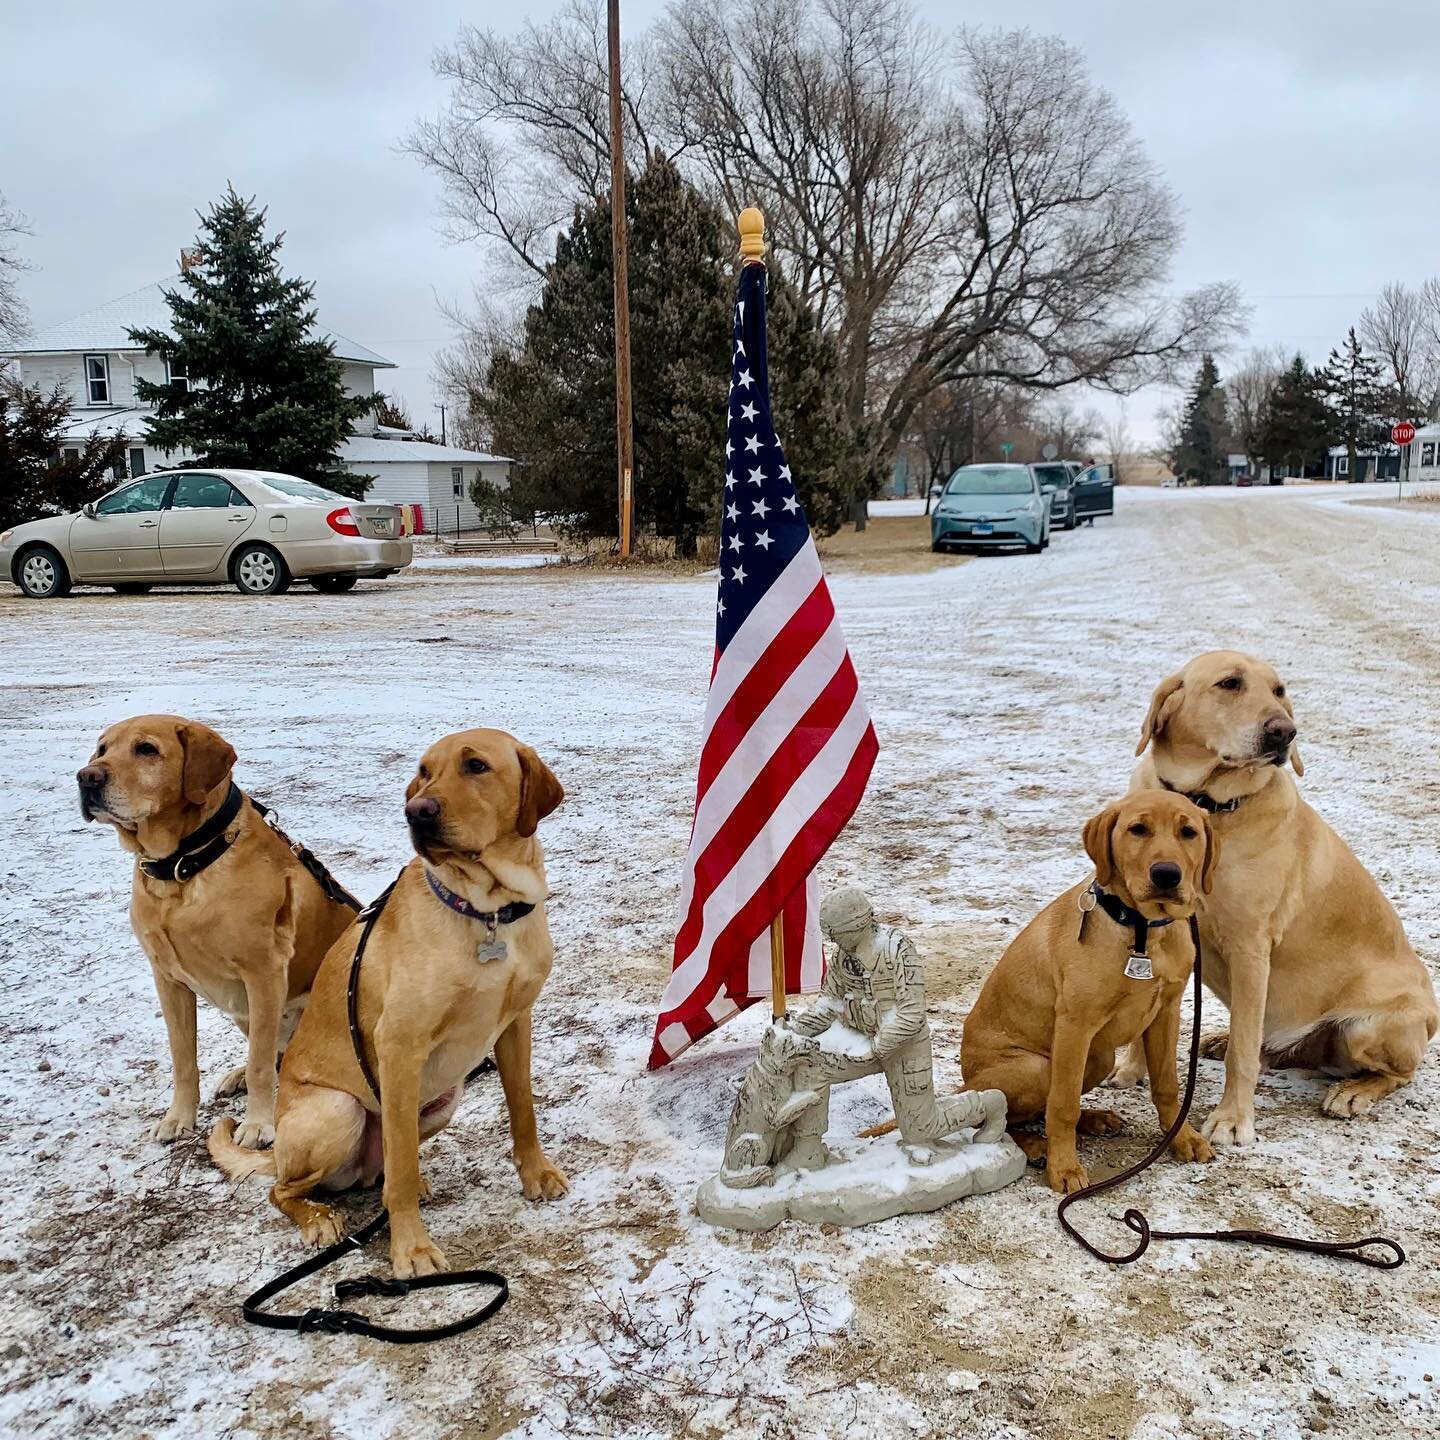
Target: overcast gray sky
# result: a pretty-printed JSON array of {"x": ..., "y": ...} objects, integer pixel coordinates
[{"x": 1300, "y": 135}]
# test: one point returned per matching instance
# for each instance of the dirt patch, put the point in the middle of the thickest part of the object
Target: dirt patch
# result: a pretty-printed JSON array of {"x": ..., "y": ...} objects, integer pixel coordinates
[{"x": 889, "y": 545}]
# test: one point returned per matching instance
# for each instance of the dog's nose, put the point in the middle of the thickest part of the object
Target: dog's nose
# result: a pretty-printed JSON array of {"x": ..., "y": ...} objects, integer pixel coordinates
[
  {"x": 1164, "y": 875},
  {"x": 1279, "y": 732},
  {"x": 92, "y": 777},
  {"x": 422, "y": 810}
]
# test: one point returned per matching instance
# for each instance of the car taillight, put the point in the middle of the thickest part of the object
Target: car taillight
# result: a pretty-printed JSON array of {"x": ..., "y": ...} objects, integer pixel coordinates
[{"x": 342, "y": 522}]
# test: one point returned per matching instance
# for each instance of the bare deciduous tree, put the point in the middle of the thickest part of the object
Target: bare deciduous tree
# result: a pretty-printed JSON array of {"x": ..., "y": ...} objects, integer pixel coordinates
[
  {"x": 1120, "y": 443},
  {"x": 526, "y": 134},
  {"x": 1248, "y": 391},
  {"x": 967, "y": 210},
  {"x": 1403, "y": 329},
  {"x": 14, "y": 316}
]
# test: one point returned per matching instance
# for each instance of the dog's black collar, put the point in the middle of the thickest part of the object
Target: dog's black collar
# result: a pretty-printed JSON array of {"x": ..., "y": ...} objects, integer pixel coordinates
[
  {"x": 1122, "y": 914},
  {"x": 202, "y": 847},
  {"x": 505, "y": 915},
  {"x": 1207, "y": 803}
]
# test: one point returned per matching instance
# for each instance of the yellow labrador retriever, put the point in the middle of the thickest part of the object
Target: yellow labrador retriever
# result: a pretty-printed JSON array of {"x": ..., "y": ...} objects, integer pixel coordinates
[
  {"x": 220, "y": 903},
  {"x": 453, "y": 964},
  {"x": 1297, "y": 939}
]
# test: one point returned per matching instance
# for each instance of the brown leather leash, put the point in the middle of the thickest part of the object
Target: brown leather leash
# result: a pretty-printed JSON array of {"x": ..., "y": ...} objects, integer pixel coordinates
[{"x": 1136, "y": 1221}]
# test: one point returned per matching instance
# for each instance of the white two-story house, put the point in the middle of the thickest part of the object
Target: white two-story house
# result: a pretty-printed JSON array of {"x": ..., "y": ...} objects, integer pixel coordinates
[{"x": 95, "y": 363}]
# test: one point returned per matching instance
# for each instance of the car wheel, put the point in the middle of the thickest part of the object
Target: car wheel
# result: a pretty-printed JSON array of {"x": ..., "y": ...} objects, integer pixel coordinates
[
  {"x": 1033, "y": 549},
  {"x": 259, "y": 570},
  {"x": 936, "y": 548},
  {"x": 131, "y": 589},
  {"x": 42, "y": 575},
  {"x": 333, "y": 584},
  {"x": 1070, "y": 524}
]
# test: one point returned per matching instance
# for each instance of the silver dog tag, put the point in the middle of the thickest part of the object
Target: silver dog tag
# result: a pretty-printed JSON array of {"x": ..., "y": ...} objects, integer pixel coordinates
[
  {"x": 493, "y": 949},
  {"x": 1137, "y": 967}
]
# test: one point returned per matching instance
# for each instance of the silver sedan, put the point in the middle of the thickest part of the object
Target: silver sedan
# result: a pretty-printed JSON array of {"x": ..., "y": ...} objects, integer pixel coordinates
[{"x": 251, "y": 528}]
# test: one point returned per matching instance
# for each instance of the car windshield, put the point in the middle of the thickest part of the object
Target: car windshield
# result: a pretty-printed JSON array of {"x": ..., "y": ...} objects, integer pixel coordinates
[
  {"x": 1051, "y": 476},
  {"x": 297, "y": 489},
  {"x": 990, "y": 480}
]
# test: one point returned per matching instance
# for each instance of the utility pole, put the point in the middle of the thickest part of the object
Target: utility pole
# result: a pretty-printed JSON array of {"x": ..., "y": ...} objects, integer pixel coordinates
[
  {"x": 441, "y": 409},
  {"x": 625, "y": 449}
]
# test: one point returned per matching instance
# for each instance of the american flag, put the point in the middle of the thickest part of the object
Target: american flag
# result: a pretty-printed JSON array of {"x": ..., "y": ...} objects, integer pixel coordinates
[{"x": 788, "y": 743}]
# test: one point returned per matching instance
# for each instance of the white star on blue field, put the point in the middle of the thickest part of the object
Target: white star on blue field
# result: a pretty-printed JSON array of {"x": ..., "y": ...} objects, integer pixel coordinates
[{"x": 763, "y": 525}]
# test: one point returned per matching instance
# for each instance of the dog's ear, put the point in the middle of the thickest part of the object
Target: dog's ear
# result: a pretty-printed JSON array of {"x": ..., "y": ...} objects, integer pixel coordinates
[
  {"x": 1098, "y": 830},
  {"x": 1163, "y": 704},
  {"x": 1212, "y": 856},
  {"x": 1295, "y": 759},
  {"x": 208, "y": 760},
  {"x": 540, "y": 791}
]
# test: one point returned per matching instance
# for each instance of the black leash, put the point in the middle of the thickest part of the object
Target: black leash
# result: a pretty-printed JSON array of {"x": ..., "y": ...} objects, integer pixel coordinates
[
  {"x": 350, "y": 1322},
  {"x": 203, "y": 847},
  {"x": 1136, "y": 1221}
]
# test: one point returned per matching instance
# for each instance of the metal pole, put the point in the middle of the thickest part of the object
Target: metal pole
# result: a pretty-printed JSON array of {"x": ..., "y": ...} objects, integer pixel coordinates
[{"x": 625, "y": 450}]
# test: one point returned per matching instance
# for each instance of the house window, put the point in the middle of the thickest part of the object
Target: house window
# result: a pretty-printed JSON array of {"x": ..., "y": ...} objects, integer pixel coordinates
[
  {"x": 1342, "y": 465},
  {"x": 1427, "y": 452},
  {"x": 457, "y": 481},
  {"x": 97, "y": 379},
  {"x": 72, "y": 455},
  {"x": 137, "y": 462},
  {"x": 118, "y": 468},
  {"x": 178, "y": 376}
]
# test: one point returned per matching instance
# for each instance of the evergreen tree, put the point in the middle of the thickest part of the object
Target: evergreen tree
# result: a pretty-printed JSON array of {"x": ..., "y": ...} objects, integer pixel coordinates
[
  {"x": 552, "y": 402},
  {"x": 1296, "y": 426},
  {"x": 261, "y": 393},
  {"x": 1360, "y": 403},
  {"x": 1204, "y": 429},
  {"x": 36, "y": 478}
]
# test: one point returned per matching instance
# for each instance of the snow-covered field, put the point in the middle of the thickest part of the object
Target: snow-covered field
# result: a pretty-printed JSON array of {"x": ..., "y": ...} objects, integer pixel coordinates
[{"x": 1008, "y": 692}]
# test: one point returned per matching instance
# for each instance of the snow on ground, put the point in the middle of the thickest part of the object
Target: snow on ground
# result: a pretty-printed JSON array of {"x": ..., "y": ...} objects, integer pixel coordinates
[{"x": 1008, "y": 692}]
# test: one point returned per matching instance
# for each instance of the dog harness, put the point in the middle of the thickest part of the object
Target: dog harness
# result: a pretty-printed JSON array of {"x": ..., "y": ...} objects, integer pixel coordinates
[
  {"x": 1137, "y": 965},
  {"x": 203, "y": 847},
  {"x": 350, "y": 1322}
]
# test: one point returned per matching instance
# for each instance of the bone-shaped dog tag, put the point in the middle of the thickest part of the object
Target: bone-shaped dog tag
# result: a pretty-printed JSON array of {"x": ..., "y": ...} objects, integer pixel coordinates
[
  {"x": 489, "y": 950},
  {"x": 1137, "y": 967}
]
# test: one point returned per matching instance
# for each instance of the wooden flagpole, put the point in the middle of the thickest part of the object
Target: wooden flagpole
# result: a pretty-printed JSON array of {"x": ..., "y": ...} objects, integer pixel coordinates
[
  {"x": 624, "y": 435},
  {"x": 752, "y": 252}
]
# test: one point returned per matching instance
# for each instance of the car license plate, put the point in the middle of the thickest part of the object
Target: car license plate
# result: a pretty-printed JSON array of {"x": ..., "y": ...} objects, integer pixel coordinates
[
  {"x": 982, "y": 529},
  {"x": 382, "y": 526}
]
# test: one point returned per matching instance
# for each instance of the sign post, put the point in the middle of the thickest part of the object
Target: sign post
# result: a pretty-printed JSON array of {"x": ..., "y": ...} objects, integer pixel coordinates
[
  {"x": 1402, "y": 434},
  {"x": 1006, "y": 446}
]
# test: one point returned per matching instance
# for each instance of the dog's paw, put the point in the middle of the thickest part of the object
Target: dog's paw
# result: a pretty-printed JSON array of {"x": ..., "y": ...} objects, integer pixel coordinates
[
  {"x": 174, "y": 1124},
  {"x": 232, "y": 1084},
  {"x": 1214, "y": 1044},
  {"x": 1192, "y": 1147},
  {"x": 1066, "y": 1179},
  {"x": 1128, "y": 1074},
  {"x": 255, "y": 1134},
  {"x": 417, "y": 1255},
  {"x": 1230, "y": 1126},
  {"x": 1099, "y": 1122},
  {"x": 541, "y": 1178},
  {"x": 322, "y": 1226},
  {"x": 1348, "y": 1099}
]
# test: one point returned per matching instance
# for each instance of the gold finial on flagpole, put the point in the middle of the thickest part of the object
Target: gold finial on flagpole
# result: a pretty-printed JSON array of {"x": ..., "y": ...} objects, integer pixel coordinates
[{"x": 752, "y": 234}]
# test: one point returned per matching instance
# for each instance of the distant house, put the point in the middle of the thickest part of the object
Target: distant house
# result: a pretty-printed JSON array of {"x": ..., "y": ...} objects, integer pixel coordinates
[
  {"x": 95, "y": 363},
  {"x": 1425, "y": 453},
  {"x": 1372, "y": 464}
]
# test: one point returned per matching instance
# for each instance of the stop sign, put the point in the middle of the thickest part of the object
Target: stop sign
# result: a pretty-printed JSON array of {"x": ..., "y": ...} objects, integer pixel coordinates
[{"x": 1403, "y": 433}]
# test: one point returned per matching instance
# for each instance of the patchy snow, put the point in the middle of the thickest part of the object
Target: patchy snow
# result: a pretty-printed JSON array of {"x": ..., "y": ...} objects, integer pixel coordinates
[{"x": 1008, "y": 693}]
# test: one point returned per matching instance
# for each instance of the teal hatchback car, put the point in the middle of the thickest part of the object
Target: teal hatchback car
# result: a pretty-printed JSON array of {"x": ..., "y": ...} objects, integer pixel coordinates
[{"x": 991, "y": 505}]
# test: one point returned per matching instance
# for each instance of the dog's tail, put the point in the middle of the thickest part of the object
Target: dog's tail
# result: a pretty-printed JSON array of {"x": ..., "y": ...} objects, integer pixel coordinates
[
  {"x": 869, "y": 1134},
  {"x": 235, "y": 1160}
]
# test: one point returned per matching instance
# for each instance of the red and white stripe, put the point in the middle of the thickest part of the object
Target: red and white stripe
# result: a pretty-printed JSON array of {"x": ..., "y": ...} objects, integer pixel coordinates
[{"x": 787, "y": 750}]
